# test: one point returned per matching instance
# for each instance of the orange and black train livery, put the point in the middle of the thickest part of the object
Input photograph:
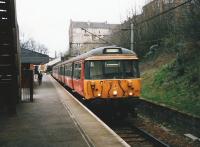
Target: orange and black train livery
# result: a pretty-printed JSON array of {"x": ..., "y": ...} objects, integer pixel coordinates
[{"x": 102, "y": 73}]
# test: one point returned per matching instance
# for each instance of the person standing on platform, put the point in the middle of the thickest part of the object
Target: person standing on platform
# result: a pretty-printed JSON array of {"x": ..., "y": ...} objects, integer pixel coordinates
[{"x": 40, "y": 78}]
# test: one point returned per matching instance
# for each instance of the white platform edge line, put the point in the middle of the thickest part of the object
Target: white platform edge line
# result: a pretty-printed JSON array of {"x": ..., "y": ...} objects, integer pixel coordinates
[
  {"x": 83, "y": 134},
  {"x": 86, "y": 138}
]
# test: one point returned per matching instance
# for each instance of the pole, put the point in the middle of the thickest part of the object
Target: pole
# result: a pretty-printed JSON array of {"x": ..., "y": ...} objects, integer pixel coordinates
[
  {"x": 31, "y": 84},
  {"x": 132, "y": 37}
]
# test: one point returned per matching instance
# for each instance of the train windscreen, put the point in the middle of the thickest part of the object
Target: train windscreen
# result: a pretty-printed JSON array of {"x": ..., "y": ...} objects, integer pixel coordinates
[{"x": 112, "y": 69}]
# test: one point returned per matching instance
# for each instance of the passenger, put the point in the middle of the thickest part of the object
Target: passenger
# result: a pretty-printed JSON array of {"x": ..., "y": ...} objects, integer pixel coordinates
[{"x": 40, "y": 78}]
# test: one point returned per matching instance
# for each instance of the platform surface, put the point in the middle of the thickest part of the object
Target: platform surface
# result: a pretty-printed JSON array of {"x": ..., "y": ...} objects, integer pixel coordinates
[{"x": 54, "y": 119}]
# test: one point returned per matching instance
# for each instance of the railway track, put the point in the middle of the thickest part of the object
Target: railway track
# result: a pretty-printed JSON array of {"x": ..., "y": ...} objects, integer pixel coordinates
[
  {"x": 162, "y": 113},
  {"x": 136, "y": 136},
  {"x": 131, "y": 134}
]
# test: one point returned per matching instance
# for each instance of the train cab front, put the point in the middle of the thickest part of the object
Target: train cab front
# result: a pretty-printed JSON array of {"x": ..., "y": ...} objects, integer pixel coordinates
[{"x": 112, "y": 79}]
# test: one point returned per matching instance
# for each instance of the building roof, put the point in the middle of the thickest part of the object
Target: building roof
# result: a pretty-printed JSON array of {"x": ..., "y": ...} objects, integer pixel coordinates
[
  {"x": 32, "y": 57},
  {"x": 102, "y": 25}
]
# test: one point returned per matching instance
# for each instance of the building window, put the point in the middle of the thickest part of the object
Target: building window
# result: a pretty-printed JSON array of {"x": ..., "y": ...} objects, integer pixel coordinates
[{"x": 86, "y": 34}]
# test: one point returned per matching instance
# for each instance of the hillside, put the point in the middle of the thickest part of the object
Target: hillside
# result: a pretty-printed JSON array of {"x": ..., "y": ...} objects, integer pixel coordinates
[
  {"x": 167, "y": 40},
  {"x": 173, "y": 78}
]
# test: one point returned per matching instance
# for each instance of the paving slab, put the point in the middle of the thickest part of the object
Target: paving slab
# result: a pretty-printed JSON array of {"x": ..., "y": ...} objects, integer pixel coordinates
[
  {"x": 55, "y": 119},
  {"x": 43, "y": 123}
]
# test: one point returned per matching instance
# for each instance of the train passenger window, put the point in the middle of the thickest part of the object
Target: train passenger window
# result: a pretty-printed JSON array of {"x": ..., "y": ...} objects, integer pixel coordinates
[
  {"x": 77, "y": 71},
  {"x": 68, "y": 69},
  {"x": 62, "y": 70}
]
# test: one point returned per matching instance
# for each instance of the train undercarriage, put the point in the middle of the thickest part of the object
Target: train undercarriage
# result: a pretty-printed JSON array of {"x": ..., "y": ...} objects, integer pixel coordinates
[{"x": 113, "y": 108}]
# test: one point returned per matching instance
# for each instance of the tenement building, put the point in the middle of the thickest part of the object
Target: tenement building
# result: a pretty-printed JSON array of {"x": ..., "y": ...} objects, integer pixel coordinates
[{"x": 84, "y": 36}]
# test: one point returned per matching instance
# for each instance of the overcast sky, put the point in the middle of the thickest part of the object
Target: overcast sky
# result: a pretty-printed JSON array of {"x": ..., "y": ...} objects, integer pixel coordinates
[{"x": 47, "y": 21}]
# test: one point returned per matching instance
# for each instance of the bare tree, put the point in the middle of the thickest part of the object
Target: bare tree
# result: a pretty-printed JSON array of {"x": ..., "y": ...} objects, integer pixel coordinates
[{"x": 32, "y": 45}]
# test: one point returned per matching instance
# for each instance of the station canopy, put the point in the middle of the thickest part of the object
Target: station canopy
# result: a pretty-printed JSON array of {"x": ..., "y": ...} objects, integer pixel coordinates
[{"x": 32, "y": 57}]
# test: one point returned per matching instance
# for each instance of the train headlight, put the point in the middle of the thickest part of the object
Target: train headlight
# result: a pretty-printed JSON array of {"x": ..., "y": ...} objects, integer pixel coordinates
[
  {"x": 130, "y": 93},
  {"x": 115, "y": 92}
]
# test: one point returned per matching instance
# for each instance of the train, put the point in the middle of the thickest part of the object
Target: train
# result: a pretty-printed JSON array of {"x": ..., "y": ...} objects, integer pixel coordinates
[{"x": 109, "y": 75}]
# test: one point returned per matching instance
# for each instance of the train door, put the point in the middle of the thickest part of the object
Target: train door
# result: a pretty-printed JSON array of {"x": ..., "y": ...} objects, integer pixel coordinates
[
  {"x": 59, "y": 73},
  {"x": 77, "y": 77},
  {"x": 63, "y": 73},
  {"x": 71, "y": 75},
  {"x": 68, "y": 75}
]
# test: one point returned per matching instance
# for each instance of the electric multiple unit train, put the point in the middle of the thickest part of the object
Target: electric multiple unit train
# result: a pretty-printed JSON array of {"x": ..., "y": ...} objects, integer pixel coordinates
[{"x": 110, "y": 74}]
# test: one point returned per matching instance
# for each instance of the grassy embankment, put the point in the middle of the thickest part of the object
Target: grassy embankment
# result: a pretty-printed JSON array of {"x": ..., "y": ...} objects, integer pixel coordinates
[{"x": 174, "y": 79}]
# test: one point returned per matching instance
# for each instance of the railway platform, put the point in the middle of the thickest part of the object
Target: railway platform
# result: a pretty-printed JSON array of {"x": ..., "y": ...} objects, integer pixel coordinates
[{"x": 55, "y": 119}]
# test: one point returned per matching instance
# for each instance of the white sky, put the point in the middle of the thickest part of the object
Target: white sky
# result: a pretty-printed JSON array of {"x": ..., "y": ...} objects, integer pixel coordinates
[{"x": 47, "y": 21}]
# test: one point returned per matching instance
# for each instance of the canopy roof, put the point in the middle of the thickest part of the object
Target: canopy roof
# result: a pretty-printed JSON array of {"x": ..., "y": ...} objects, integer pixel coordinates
[{"x": 32, "y": 57}]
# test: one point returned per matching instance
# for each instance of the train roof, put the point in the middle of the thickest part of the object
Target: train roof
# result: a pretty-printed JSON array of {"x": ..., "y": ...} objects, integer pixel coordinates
[{"x": 107, "y": 50}]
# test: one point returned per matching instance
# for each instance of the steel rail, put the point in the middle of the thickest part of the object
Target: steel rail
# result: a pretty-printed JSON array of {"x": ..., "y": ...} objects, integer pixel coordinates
[{"x": 151, "y": 138}]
